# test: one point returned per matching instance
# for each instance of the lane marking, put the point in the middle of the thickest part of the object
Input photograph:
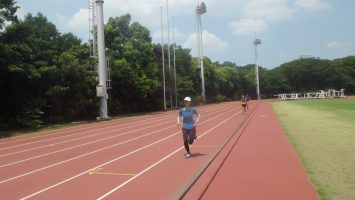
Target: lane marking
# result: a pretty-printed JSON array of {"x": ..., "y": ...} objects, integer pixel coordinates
[
  {"x": 97, "y": 169},
  {"x": 193, "y": 146},
  {"x": 79, "y": 127},
  {"x": 65, "y": 129},
  {"x": 206, "y": 110},
  {"x": 108, "y": 147},
  {"x": 73, "y": 147},
  {"x": 93, "y": 135},
  {"x": 92, "y": 142},
  {"x": 45, "y": 133},
  {"x": 118, "y": 158},
  {"x": 160, "y": 161},
  {"x": 34, "y": 142},
  {"x": 111, "y": 173}
]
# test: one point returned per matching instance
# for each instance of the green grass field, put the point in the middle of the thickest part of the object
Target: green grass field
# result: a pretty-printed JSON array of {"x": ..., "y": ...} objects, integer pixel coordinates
[{"x": 323, "y": 134}]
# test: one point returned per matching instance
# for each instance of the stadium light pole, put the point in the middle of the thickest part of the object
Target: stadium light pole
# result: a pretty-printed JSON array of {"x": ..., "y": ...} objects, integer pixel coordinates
[
  {"x": 257, "y": 42},
  {"x": 169, "y": 54},
  {"x": 102, "y": 87},
  {"x": 174, "y": 46},
  {"x": 200, "y": 10},
  {"x": 162, "y": 54}
]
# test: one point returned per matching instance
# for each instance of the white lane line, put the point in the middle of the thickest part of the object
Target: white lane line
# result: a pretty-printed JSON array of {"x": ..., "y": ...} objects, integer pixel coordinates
[
  {"x": 111, "y": 126},
  {"x": 83, "y": 155},
  {"x": 66, "y": 141},
  {"x": 73, "y": 147},
  {"x": 46, "y": 133},
  {"x": 160, "y": 161},
  {"x": 111, "y": 161},
  {"x": 80, "y": 133},
  {"x": 92, "y": 142}
]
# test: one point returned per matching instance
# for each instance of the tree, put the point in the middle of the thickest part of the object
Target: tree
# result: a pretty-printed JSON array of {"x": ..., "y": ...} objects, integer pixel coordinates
[
  {"x": 134, "y": 72},
  {"x": 247, "y": 80},
  {"x": 7, "y": 12},
  {"x": 210, "y": 80},
  {"x": 278, "y": 83},
  {"x": 30, "y": 47},
  {"x": 228, "y": 82},
  {"x": 305, "y": 75},
  {"x": 71, "y": 95},
  {"x": 347, "y": 67},
  {"x": 44, "y": 74},
  {"x": 186, "y": 74}
]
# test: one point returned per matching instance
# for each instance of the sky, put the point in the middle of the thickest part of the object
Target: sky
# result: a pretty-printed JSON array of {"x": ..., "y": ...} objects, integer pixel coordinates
[{"x": 286, "y": 28}]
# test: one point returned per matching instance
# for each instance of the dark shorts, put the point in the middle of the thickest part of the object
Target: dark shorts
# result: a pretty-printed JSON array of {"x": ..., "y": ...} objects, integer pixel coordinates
[
  {"x": 189, "y": 135},
  {"x": 244, "y": 105}
]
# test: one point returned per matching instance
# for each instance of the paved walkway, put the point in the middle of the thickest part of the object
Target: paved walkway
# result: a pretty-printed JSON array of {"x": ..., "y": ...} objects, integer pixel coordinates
[{"x": 261, "y": 166}]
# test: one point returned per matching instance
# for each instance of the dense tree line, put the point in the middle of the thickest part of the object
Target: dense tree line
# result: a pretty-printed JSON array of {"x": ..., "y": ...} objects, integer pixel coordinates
[{"x": 47, "y": 77}]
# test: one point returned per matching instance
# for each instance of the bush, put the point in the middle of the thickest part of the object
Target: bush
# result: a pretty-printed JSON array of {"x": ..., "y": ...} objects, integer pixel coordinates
[{"x": 220, "y": 98}]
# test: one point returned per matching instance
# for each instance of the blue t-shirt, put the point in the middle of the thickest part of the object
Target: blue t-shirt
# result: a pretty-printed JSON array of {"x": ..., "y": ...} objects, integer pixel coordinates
[{"x": 188, "y": 115}]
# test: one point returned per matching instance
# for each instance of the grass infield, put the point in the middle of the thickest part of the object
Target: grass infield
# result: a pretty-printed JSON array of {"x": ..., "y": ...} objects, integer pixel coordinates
[{"x": 323, "y": 134}]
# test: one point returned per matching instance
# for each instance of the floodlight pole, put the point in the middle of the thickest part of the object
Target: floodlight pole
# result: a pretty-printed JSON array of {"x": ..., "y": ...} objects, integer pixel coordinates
[
  {"x": 174, "y": 46},
  {"x": 256, "y": 43},
  {"x": 102, "y": 60},
  {"x": 169, "y": 60},
  {"x": 200, "y": 10},
  {"x": 162, "y": 54}
]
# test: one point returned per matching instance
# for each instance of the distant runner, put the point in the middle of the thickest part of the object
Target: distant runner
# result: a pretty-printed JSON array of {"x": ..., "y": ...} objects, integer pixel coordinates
[
  {"x": 244, "y": 104},
  {"x": 190, "y": 119},
  {"x": 247, "y": 98}
]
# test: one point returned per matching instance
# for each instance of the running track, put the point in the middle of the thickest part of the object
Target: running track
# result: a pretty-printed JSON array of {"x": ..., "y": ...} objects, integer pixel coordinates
[{"x": 131, "y": 158}]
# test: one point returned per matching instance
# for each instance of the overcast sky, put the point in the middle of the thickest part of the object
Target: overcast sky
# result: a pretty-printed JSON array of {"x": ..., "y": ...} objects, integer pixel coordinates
[{"x": 287, "y": 28}]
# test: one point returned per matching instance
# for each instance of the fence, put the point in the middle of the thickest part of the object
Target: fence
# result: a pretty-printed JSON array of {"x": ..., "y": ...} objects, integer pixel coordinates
[{"x": 321, "y": 94}]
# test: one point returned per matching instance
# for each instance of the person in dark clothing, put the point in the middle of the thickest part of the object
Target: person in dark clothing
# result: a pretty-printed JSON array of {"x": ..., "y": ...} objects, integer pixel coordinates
[{"x": 244, "y": 104}]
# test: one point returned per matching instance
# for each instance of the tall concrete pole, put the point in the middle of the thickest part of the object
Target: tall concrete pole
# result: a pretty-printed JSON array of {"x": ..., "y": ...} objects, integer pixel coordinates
[
  {"x": 163, "y": 54},
  {"x": 93, "y": 29},
  {"x": 169, "y": 57},
  {"x": 256, "y": 43},
  {"x": 102, "y": 60},
  {"x": 201, "y": 61},
  {"x": 200, "y": 10},
  {"x": 174, "y": 46}
]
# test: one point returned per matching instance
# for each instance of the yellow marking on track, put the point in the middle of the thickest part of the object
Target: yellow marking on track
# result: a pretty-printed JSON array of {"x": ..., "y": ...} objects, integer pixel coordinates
[
  {"x": 193, "y": 146},
  {"x": 98, "y": 171}
]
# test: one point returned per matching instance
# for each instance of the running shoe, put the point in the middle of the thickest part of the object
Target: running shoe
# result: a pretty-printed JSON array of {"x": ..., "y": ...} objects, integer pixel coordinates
[{"x": 187, "y": 155}]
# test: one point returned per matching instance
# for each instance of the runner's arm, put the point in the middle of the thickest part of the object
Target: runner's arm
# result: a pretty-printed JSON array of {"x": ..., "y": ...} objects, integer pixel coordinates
[
  {"x": 198, "y": 118},
  {"x": 178, "y": 118}
]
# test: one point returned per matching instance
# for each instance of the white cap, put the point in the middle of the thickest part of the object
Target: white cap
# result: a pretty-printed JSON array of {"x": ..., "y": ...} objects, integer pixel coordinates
[{"x": 187, "y": 99}]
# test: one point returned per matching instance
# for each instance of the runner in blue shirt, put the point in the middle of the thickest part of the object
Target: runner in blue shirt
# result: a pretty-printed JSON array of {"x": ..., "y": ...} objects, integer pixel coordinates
[{"x": 190, "y": 119}]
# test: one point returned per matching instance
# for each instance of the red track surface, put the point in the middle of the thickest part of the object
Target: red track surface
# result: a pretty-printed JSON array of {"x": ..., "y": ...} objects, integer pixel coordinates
[
  {"x": 258, "y": 163},
  {"x": 142, "y": 158}
]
